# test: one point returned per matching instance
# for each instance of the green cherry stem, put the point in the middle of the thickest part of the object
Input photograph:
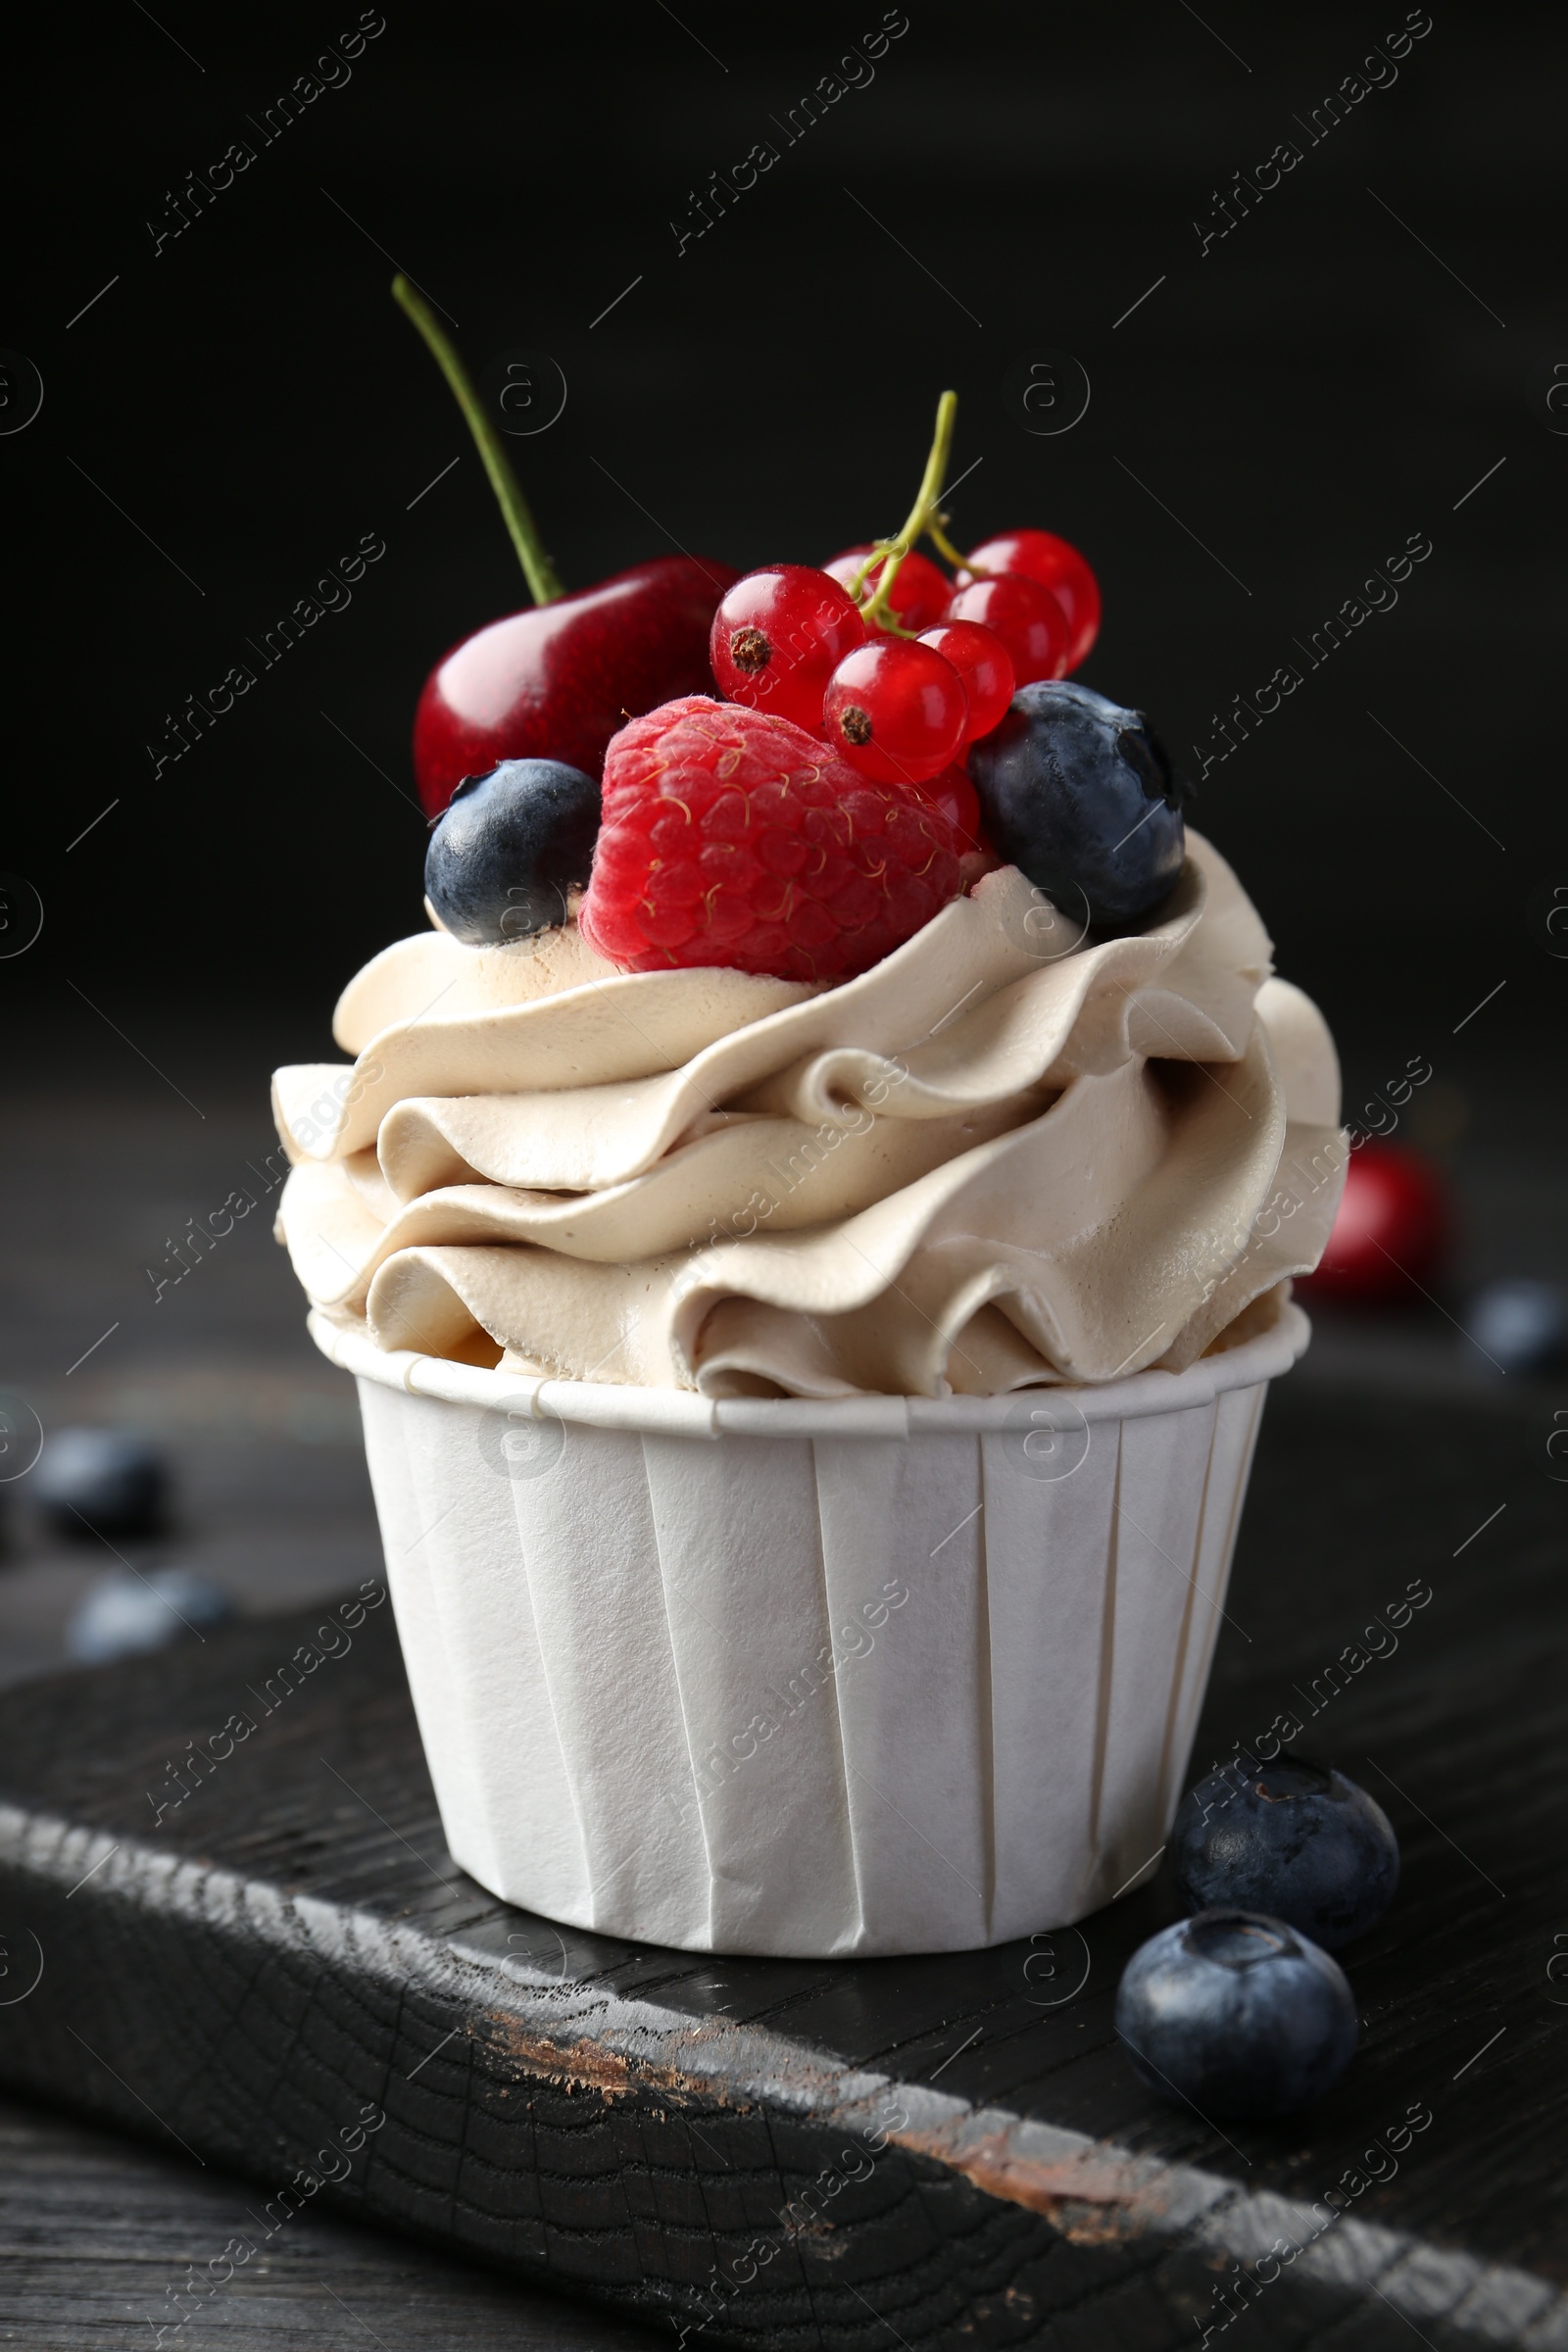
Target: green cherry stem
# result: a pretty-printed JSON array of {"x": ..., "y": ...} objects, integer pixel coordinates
[
  {"x": 544, "y": 583},
  {"x": 921, "y": 517}
]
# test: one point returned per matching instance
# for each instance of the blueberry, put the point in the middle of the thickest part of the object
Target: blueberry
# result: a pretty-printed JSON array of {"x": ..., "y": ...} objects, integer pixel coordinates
[
  {"x": 1237, "y": 2014},
  {"x": 1523, "y": 1326},
  {"x": 509, "y": 846},
  {"x": 124, "y": 1614},
  {"x": 1079, "y": 795},
  {"x": 112, "y": 1481},
  {"x": 1293, "y": 1838}
]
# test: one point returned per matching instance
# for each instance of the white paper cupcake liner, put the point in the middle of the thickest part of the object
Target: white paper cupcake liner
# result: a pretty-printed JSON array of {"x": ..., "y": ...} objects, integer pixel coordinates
[{"x": 875, "y": 1675}]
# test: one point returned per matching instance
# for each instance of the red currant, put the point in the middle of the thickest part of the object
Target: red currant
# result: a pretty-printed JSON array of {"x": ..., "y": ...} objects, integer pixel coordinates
[
  {"x": 776, "y": 637},
  {"x": 895, "y": 710},
  {"x": 956, "y": 797},
  {"x": 1058, "y": 565},
  {"x": 1027, "y": 617},
  {"x": 919, "y": 593},
  {"x": 983, "y": 663}
]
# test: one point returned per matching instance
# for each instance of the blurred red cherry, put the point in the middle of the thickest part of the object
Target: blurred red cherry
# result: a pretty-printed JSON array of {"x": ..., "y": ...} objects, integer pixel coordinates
[{"x": 1390, "y": 1233}]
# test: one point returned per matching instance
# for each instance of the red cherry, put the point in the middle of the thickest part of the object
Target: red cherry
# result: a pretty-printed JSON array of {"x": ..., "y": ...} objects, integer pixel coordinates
[
  {"x": 555, "y": 682},
  {"x": 919, "y": 593},
  {"x": 956, "y": 797},
  {"x": 1391, "y": 1231},
  {"x": 776, "y": 636},
  {"x": 983, "y": 663},
  {"x": 1058, "y": 565},
  {"x": 559, "y": 681},
  {"x": 1027, "y": 617},
  {"x": 895, "y": 710}
]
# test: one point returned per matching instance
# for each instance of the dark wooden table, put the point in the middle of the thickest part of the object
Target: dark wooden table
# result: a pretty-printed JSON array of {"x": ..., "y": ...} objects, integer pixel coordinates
[{"x": 786, "y": 2154}]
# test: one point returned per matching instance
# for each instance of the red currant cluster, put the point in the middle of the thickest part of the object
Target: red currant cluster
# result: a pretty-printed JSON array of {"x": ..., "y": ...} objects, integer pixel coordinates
[
  {"x": 899, "y": 667},
  {"x": 825, "y": 819}
]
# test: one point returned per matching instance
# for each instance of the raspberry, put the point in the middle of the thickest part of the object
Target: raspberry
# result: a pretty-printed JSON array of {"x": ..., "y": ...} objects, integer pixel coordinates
[{"x": 732, "y": 837}]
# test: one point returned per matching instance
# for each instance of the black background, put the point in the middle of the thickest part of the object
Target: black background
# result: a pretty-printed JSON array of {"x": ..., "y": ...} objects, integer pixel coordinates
[{"x": 1314, "y": 389}]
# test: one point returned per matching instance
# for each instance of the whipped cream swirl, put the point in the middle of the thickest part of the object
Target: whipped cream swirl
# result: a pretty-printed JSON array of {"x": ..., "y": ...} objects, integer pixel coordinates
[{"x": 1002, "y": 1157}]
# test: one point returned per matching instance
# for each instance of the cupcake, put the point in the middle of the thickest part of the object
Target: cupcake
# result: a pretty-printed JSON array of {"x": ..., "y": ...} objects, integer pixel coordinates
[{"x": 812, "y": 1340}]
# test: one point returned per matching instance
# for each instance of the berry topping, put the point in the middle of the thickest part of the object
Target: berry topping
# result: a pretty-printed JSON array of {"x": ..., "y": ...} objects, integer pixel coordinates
[
  {"x": 1292, "y": 1838},
  {"x": 1236, "y": 2013},
  {"x": 732, "y": 837},
  {"x": 1055, "y": 564},
  {"x": 919, "y": 592},
  {"x": 1027, "y": 617},
  {"x": 556, "y": 681},
  {"x": 952, "y": 793},
  {"x": 508, "y": 847},
  {"x": 776, "y": 636},
  {"x": 895, "y": 710},
  {"x": 902, "y": 592},
  {"x": 985, "y": 665},
  {"x": 1080, "y": 796}
]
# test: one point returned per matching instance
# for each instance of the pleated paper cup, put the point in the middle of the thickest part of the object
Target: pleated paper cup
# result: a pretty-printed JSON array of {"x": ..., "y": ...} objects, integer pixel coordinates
[{"x": 874, "y": 1675}]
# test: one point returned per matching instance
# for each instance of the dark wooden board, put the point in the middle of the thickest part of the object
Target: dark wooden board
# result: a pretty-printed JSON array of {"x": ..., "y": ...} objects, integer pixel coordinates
[
  {"x": 95, "y": 2231},
  {"x": 718, "y": 2143}
]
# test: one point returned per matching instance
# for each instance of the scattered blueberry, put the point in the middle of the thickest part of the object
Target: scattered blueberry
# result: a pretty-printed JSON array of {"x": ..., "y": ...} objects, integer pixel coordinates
[
  {"x": 114, "y": 1482},
  {"x": 1237, "y": 2014},
  {"x": 1522, "y": 1325},
  {"x": 1079, "y": 795},
  {"x": 508, "y": 849},
  {"x": 1293, "y": 1838},
  {"x": 124, "y": 1614}
]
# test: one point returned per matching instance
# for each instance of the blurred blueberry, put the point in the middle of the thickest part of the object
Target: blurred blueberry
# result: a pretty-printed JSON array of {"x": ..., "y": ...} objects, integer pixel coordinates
[
  {"x": 1292, "y": 1838},
  {"x": 116, "y": 1482},
  {"x": 125, "y": 1614},
  {"x": 1522, "y": 1325},
  {"x": 1237, "y": 2014}
]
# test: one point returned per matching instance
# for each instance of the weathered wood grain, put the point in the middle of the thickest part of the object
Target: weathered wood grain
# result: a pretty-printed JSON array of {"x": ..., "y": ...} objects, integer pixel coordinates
[{"x": 96, "y": 2232}]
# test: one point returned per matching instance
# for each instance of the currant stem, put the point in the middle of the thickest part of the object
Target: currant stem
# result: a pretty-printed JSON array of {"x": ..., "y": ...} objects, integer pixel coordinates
[
  {"x": 543, "y": 582},
  {"x": 879, "y": 613},
  {"x": 936, "y": 532}
]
